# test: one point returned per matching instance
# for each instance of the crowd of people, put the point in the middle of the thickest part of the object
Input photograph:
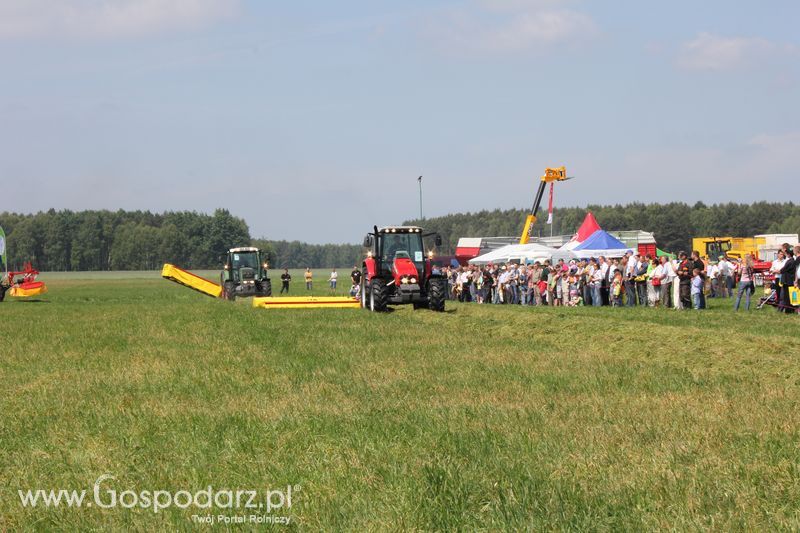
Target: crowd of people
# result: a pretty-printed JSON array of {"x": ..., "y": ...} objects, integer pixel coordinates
[{"x": 632, "y": 280}]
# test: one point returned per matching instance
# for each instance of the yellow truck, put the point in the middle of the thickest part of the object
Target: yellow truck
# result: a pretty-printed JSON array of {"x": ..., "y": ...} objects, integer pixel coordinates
[
  {"x": 761, "y": 247},
  {"x": 738, "y": 247}
]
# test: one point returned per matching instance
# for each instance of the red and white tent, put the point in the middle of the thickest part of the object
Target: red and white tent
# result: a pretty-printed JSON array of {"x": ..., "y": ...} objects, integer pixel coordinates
[{"x": 588, "y": 227}]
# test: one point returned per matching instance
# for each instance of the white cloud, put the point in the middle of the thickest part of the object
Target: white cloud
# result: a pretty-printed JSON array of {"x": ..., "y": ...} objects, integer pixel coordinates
[
  {"x": 107, "y": 18},
  {"x": 511, "y": 26},
  {"x": 714, "y": 52}
]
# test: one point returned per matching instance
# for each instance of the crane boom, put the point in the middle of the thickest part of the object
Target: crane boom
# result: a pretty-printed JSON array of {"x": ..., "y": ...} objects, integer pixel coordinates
[{"x": 550, "y": 175}]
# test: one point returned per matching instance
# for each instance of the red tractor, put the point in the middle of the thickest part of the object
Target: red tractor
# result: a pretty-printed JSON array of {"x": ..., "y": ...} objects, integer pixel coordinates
[{"x": 398, "y": 271}]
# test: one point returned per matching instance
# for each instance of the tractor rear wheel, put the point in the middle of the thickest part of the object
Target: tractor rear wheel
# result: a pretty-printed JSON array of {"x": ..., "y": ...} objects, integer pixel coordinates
[
  {"x": 436, "y": 291},
  {"x": 377, "y": 295}
]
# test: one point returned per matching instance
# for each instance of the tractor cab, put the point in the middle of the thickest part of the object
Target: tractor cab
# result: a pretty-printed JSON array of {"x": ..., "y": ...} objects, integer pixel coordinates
[
  {"x": 398, "y": 270},
  {"x": 716, "y": 248},
  {"x": 401, "y": 251},
  {"x": 245, "y": 273}
]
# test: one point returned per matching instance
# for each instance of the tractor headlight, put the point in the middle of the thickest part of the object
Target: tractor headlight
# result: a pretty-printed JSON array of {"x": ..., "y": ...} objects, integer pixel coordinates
[
  {"x": 413, "y": 280},
  {"x": 226, "y": 267},
  {"x": 404, "y": 280},
  {"x": 266, "y": 266},
  {"x": 430, "y": 254}
]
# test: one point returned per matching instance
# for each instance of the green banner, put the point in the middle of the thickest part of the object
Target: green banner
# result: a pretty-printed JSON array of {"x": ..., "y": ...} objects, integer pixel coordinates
[{"x": 3, "y": 250}]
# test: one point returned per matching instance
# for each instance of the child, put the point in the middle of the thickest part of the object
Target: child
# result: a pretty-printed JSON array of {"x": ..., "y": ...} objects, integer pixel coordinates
[
  {"x": 697, "y": 289},
  {"x": 616, "y": 289},
  {"x": 574, "y": 293},
  {"x": 557, "y": 289},
  {"x": 542, "y": 288},
  {"x": 332, "y": 280}
]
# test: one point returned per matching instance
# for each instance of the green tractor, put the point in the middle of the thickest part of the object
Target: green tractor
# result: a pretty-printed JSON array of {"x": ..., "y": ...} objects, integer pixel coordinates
[{"x": 245, "y": 273}]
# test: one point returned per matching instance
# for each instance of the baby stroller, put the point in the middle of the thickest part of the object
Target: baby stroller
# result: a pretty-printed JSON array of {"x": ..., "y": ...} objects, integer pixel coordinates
[
  {"x": 773, "y": 297},
  {"x": 770, "y": 298}
]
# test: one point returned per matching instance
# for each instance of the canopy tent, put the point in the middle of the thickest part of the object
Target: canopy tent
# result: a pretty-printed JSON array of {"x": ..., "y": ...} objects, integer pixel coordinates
[
  {"x": 587, "y": 229},
  {"x": 601, "y": 243},
  {"x": 571, "y": 245},
  {"x": 511, "y": 252},
  {"x": 660, "y": 252}
]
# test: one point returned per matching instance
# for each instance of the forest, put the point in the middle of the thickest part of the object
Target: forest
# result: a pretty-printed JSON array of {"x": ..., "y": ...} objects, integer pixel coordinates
[{"x": 140, "y": 240}]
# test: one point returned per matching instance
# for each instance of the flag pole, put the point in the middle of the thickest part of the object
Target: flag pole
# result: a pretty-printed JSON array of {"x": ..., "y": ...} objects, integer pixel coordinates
[{"x": 419, "y": 180}]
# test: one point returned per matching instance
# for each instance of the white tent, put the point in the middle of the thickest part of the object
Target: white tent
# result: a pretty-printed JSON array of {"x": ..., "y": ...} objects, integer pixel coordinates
[
  {"x": 565, "y": 254},
  {"x": 608, "y": 254},
  {"x": 515, "y": 252}
]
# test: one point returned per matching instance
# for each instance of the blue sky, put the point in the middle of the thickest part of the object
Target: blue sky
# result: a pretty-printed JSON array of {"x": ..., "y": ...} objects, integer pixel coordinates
[{"x": 312, "y": 120}]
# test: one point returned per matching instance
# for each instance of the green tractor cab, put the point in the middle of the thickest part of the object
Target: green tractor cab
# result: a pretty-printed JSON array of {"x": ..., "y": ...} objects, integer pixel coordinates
[{"x": 245, "y": 273}]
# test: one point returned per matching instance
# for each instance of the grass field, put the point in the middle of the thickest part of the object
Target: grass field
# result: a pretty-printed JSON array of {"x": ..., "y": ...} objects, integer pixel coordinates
[{"x": 483, "y": 417}]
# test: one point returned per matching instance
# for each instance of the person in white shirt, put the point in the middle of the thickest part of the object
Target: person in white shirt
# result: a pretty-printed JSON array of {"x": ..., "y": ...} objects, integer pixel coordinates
[
  {"x": 777, "y": 265},
  {"x": 603, "y": 265},
  {"x": 596, "y": 278},
  {"x": 714, "y": 276},
  {"x": 630, "y": 284},
  {"x": 332, "y": 279},
  {"x": 654, "y": 284},
  {"x": 797, "y": 273},
  {"x": 726, "y": 269},
  {"x": 464, "y": 281},
  {"x": 667, "y": 274},
  {"x": 612, "y": 268},
  {"x": 676, "y": 286}
]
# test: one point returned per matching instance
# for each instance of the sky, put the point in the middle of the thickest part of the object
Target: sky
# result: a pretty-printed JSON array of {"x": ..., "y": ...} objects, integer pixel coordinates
[{"x": 312, "y": 120}]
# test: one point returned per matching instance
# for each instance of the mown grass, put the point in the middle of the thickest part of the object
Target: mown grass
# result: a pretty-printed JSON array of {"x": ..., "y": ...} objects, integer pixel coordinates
[{"x": 483, "y": 417}]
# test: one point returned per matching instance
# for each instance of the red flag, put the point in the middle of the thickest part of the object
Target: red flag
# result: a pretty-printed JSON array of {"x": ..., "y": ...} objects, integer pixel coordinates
[{"x": 550, "y": 205}]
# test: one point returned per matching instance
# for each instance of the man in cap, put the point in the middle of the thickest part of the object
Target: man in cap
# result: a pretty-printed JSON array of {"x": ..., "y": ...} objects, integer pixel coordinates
[
  {"x": 685, "y": 267},
  {"x": 726, "y": 269}
]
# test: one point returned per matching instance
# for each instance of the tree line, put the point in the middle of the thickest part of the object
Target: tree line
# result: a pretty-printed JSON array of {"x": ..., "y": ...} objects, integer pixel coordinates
[
  {"x": 140, "y": 240},
  {"x": 674, "y": 224},
  {"x": 120, "y": 240},
  {"x": 296, "y": 254}
]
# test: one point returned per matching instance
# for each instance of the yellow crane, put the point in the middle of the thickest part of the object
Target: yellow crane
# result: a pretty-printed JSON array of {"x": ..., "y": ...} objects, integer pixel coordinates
[{"x": 551, "y": 175}]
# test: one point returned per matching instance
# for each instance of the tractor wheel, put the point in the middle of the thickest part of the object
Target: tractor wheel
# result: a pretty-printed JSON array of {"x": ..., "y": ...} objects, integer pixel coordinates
[
  {"x": 364, "y": 290},
  {"x": 266, "y": 287},
  {"x": 436, "y": 292},
  {"x": 228, "y": 292},
  {"x": 377, "y": 295}
]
